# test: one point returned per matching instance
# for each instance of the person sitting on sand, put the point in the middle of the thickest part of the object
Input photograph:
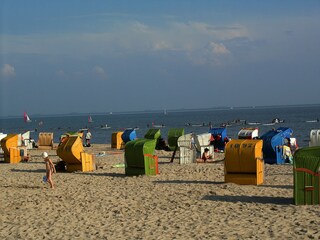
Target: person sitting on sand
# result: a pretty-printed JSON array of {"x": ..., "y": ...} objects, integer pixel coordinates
[
  {"x": 50, "y": 168},
  {"x": 205, "y": 156},
  {"x": 26, "y": 158}
]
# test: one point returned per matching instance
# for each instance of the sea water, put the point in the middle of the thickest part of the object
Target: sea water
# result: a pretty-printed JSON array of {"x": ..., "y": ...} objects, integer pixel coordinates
[{"x": 298, "y": 118}]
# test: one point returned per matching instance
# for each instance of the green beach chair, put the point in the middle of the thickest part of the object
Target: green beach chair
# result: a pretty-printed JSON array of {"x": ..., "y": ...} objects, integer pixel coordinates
[
  {"x": 173, "y": 136},
  {"x": 306, "y": 169},
  {"x": 140, "y": 158}
]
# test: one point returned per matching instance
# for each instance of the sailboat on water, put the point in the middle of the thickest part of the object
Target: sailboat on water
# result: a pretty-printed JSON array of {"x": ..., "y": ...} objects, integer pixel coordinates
[
  {"x": 26, "y": 117},
  {"x": 90, "y": 119}
]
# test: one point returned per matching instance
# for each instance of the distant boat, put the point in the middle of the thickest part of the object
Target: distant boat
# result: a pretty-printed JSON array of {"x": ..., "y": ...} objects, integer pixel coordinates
[
  {"x": 165, "y": 112},
  {"x": 26, "y": 117},
  {"x": 90, "y": 119},
  {"x": 195, "y": 124},
  {"x": 225, "y": 125},
  {"x": 105, "y": 127},
  {"x": 253, "y": 123},
  {"x": 158, "y": 126},
  {"x": 312, "y": 121},
  {"x": 268, "y": 124}
]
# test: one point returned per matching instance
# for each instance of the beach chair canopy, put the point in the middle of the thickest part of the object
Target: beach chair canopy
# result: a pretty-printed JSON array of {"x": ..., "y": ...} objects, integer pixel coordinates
[
  {"x": 10, "y": 141},
  {"x": 314, "y": 138},
  {"x": 45, "y": 140},
  {"x": 116, "y": 140},
  {"x": 153, "y": 133},
  {"x": 219, "y": 134},
  {"x": 173, "y": 135},
  {"x": 71, "y": 151},
  {"x": 273, "y": 141},
  {"x": 248, "y": 133},
  {"x": 129, "y": 135},
  {"x": 202, "y": 140},
  {"x": 186, "y": 140}
]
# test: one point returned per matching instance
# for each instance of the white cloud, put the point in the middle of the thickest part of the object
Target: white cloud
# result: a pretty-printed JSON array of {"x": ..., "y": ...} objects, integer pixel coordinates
[
  {"x": 218, "y": 48},
  {"x": 140, "y": 27},
  {"x": 61, "y": 73},
  {"x": 161, "y": 45},
  {"x": 127, "y": 36},
  {"x": 8, "y": 71},
  {"x": 99, "y": 72},
  {"x": 214, "y": 54},
  {"x": 225, "y": 32}
]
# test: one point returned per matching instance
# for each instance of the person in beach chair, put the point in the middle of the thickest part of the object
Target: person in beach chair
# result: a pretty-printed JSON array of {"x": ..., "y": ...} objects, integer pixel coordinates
[
  {"x": 206, "y": 157},
  {"x": 287, "y": 154}
]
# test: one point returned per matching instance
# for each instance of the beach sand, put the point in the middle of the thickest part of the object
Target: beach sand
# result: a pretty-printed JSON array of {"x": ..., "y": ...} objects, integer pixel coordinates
[{"x": 182, "y": 202}]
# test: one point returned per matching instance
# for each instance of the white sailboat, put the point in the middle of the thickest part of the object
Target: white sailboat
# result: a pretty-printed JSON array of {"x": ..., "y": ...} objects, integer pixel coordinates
[
  {"x": 26, "y": 117},
  {"x": 90, "y": 119},
  {"x": 165, "y": 112}
]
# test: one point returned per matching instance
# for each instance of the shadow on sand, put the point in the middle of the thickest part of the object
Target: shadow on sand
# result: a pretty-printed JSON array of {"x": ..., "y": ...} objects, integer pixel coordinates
[
  {"x": 251, "y": 199},
  {"x": 25, "y": 186},
  {"x": 277, "y": 186},
  {"x": 187, "y": 182},
  {"x": 28, "y": 170},
  {"x": 120, "y": 175}
]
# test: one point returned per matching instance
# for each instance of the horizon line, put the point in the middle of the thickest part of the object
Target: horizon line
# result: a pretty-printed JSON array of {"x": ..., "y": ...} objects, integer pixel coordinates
[{"x": 160, "y": 110}]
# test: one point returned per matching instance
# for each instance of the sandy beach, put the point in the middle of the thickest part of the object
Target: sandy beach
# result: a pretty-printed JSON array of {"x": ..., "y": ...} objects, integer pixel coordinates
[{"x": 182, "y": 202}]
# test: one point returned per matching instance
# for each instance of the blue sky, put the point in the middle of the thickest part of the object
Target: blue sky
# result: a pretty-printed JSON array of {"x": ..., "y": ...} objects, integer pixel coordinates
[{"x": 101, "y": 56}]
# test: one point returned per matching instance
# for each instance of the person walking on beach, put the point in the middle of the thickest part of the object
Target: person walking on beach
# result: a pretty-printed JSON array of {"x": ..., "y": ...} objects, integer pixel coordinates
[
  {"x": 50, "y": 168},
  {"x": 88, "y": 138}
]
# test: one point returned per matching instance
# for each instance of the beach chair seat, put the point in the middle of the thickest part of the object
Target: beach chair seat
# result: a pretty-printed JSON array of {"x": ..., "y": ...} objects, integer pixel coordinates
[{"x": 72, "y": 152}]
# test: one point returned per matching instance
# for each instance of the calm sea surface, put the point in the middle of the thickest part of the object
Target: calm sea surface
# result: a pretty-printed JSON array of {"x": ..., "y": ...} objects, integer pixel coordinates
[{"x": 298, "y": 118}]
